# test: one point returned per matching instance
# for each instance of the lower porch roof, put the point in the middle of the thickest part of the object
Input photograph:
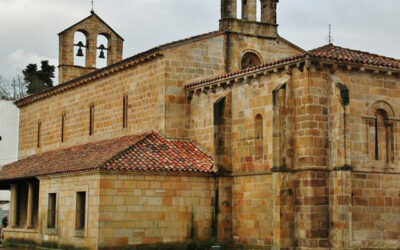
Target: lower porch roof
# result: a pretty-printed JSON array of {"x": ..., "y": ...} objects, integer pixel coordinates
[{"x": 146, "y": 152}]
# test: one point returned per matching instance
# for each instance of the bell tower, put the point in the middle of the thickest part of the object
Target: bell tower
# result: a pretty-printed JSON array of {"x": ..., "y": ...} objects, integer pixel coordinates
[
  {"x": 248, "y": 23},
  {"x": 86, "y": 46}
]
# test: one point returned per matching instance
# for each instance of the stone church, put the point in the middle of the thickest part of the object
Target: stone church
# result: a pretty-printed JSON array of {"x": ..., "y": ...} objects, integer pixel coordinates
[{"x": 237, "y": 134}]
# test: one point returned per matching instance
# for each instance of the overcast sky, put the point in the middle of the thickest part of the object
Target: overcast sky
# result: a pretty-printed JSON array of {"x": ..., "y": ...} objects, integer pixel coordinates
[{"x": 29, "y": 28}]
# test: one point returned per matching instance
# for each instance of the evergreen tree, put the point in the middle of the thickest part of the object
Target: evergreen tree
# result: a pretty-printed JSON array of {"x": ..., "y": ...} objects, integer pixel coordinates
[{"x": 39, "y": 80}]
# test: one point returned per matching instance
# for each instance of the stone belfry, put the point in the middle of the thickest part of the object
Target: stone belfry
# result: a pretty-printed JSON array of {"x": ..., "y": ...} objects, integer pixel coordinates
[
  {"x": 91, "y": 30},
  {"x": 248, "y": 23}
]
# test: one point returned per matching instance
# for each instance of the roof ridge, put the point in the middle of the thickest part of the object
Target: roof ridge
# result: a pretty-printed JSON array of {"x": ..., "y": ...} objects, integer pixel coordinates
[
  {"x": 183, "y": 139},
  {"x": 155, "y": 137},
  {"x": 291, "y": 44},
  {"x": 368, "y": 53},
  {"x": 75, "y": 146},
  {"x": 321, "y": 48},
  {"x": 125, "y": 150},
  {"x": 148, "y": 151},
  {"x": 92, "y": 13}
]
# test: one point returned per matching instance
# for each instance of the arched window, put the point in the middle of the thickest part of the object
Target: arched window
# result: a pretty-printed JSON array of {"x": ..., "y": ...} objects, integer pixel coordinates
[
  {"x": 249, "y": 60},
  {"x": 239, "y": 9},
  {"x": 259, "y": 137},
  {"x": 382, "y": 136},
  {"x": 102, "y": 51},
  {"x": 80, "y": 48}
]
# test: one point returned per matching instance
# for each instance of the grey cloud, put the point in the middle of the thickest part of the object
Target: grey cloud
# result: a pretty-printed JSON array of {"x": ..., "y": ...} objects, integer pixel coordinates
[{"x": 32, "y": 26}]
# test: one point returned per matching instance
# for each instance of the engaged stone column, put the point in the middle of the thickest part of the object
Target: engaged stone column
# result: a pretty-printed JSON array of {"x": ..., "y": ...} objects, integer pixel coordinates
[
  {"x": 14, "y": 194},
  {"x": 29, "y": 218}
]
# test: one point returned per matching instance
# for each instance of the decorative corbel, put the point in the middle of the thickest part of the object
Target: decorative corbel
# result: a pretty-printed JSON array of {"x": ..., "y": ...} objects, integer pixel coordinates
[
  {"x": 214, "y": 89},
  {"x": 334, "y": 68},
  {"x": 198, "y": 92},
  {"x": 190, "y": 95},
  {"x": 288, "y": 70}
]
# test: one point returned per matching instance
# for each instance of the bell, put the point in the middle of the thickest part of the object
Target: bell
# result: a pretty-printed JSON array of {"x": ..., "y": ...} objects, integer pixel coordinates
[
  {"x": 102, "y": 48},
  {"x": 80, "y": 52},
  {"x": 101, "y": 56}
]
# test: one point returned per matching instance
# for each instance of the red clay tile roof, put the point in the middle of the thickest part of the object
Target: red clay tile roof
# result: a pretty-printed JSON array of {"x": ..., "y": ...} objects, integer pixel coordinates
[
  {"x": 157, "y": 154},
  {"x": 354, "y": 56},
  {"x": 148, "y": 152},
  {"x": 328, "y": 52}
]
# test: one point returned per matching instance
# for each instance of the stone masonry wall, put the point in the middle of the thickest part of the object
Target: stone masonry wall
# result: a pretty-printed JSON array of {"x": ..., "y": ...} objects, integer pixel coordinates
[
  {"x": 130, "y": 209},
  {"x": 253, "y": 210},
  {"x": 267, "y": 49},
  {"x": 196, "y": 59},
  {"x": 142, "y": 84},
  {"x": 211, "y": 57},
  {"x": 320, "y": 144},
  {"x": 375, "y": 210},
  {"x": 247, "y": 102},
  {"x": 65, "y": 187},
  {"x": 370, "y": 92},
  {"x": 145, "y": 209}
]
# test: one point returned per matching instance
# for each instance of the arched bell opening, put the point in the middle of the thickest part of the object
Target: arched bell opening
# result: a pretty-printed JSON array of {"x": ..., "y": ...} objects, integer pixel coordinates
[
  {"x": 80, "y": 48},
  {"x": 102, "y": 50},
  {"x": 258, "y": 13},
  {"x": 239, "y": 9}
]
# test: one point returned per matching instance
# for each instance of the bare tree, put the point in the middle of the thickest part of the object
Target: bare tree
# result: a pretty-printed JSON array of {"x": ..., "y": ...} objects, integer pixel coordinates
[
  {"x": 4, "y": 91},
  {"x": 13, "y": 89}
]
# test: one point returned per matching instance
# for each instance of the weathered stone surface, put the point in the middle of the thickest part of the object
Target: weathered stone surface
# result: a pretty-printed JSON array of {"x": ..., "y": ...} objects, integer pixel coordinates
[{"x": 308, "y": 153}]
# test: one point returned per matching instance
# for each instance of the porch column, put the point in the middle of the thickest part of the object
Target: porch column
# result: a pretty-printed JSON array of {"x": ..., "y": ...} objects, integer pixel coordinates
[
  {"x": 29, "y": 218},
  {"x": 14, "y": 194}
]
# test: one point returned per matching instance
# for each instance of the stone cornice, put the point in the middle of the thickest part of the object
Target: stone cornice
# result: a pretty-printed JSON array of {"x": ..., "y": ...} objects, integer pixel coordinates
[
  {"x": 305, "y": 60},
  {"x": 230, "y": 80}
]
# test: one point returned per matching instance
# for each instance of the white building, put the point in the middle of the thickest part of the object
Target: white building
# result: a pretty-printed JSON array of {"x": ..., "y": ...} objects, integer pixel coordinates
[{"x": 9, "y": 124}]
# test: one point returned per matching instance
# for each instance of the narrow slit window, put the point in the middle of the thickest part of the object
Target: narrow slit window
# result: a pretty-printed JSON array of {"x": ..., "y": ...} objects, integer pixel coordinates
[
  {"x": 91, "y": 120},
  {"x": 259, "y": 137},
  {"x": 80, "y": 218},
  {"x": 239, "y": 9},
  {"x": 38, "y": 133},
  {"x": 125, "y": 112},
  {"x": 376, "y": 140},
  {"x": 51, "y": 211},
  {"x": 62, "y": 127},
  {"x": 382, "y": 137},
  {"x": 258, "y": 2}
]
